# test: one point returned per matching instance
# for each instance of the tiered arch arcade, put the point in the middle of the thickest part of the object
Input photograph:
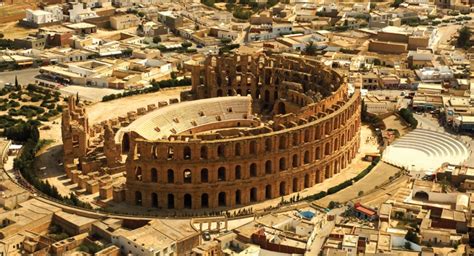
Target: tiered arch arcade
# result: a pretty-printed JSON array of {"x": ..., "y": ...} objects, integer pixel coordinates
[{"x": 278, "y": 125}]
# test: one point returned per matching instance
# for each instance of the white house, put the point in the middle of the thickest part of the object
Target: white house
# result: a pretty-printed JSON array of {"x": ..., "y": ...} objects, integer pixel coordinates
[{"x": 38, "y": 16}]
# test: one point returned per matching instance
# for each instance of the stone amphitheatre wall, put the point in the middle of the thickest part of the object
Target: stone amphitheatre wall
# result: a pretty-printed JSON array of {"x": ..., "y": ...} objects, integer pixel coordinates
[{"x": 314, "y": 135}]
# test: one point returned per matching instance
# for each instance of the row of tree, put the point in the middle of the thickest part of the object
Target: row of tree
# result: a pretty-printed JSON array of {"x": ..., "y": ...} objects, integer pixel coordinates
[
  {"x": 155, "y": 86},
  {"x": 27, "y": 133}
]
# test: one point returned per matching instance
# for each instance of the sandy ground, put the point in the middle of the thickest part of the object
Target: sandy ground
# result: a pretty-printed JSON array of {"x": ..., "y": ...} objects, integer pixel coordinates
[
  {"x": 12, "y": 30},
  {"x": 88, "y": 93},
  {"x": 394, "y": 122}
]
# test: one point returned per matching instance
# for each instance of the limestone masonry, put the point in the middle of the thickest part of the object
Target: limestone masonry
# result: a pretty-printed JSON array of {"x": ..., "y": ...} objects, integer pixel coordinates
[{"x": 251, "y": 128}]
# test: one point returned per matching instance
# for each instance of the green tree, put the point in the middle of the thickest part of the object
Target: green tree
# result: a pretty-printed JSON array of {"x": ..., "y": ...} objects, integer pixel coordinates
[
  {"x": 17, "y": 85},
  {"x": 412, "y": 236},
  {"x": 226, "y": 40},
  {"x": 186, "y": 44},
  {"x": 464, "y": 38},
  {"x": 156, "y": 39},
  {"x": 396, "y": 3},
  {"x": 310, "y": 49}
]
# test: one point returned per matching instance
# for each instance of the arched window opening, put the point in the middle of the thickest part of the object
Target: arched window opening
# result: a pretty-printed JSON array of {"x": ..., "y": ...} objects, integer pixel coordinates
[
  {"x": 295, "y": 161},
  {"x": 138, "y": 198},
  {"x": 221, "y": 174},
  {"x": 204, "y": 175},
  {"x": 187, "y": 176},
  {"x": 238, "y": 172},
  {"x": 268, "y": 167},
  {"x": 154, "y": 200},
  {"x": 170, "y": 201},
  {"x": 187, "y": 153},
  {"x": 188, "y": 201},
  {"x": 253, "y": 170},
  {"x": 138, "y": 174},
  {"x": 203, "y": 152},
  {"x": 170, "y": 176},
  {"x": 222, "y": 199},
  {"x": 204, "y": 200},
  {"x": 253, "y": 195},
  {"x": 154, "y": 175}
]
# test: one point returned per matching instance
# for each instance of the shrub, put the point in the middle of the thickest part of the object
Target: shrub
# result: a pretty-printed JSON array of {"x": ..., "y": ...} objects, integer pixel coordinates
[{"x": 407, "y": 115}]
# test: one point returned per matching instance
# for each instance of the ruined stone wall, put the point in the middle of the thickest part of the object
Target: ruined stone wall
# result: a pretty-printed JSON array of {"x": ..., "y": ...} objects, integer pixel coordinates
[{"x": 310, "y": 140}]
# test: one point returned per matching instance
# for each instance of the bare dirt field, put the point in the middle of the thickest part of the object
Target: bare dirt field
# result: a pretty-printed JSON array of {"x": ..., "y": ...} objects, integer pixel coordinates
[
  {"x": 88, "y": 93},
  {"x": 394, "y": 122},
  {"x": 12, "y": 30}
]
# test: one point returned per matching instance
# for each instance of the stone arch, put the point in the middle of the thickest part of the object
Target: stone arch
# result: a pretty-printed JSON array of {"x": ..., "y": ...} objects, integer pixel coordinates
[
  {"x": 154, "y": 175},
  {"x": 138, "y": 198},
  {"x": 282, "y": 164},
  {"x": 204, "y": 152},
  {"x": 221, "y": 174},
  {"x": 306, "y": 181},
  {"x": 188, "y": 201},
  {"x": 294, "y": 161},
  {"x": 187, "y": 176},
  {"x": 296, "y": 141},
  {"x": 221, "y": 151},
  {"x": 204, "y": 200},
  {"x": 267, "y": 96},
  {"x": 283, "y": 191},
  {"x": 295, "y": 184},
  {"x": 281, "y": 108},
  {"x": 187, "y": 153},
  {"x": 238, "y": 172},
  {"x": 327, "y": 172},
  {"x": 327, "y": 149},
  {"x": 170, "y": 152},
  {"x": 318, "y": 153},
  {"x": 154, "y": 200},
  {"x": 170, "y": 176},
  {"x": 253, "y": 195},
  {"x": 222, "y": 199},
  {"x": 421, "y": 196},
  {"x": 306, "y": 157},
  {"x": 268, "y": 167},
  {"x": 125, "y": 143},
  {"x": 237, "y": 149},
  {"x": 204, "y": 175},
  {"x": 253, "y": 147},
  {"x": 268, "y": 145},
  {"x": 170, "y": 201},
  {"x": 282, "y": 142},
  {"x": 253, "y": 170},
  {"x": 268, "y": 192},
  {"x": 306, "y": 135},
  {"x": 138, "y": 173},
  {"x": 238, "y": 197}
]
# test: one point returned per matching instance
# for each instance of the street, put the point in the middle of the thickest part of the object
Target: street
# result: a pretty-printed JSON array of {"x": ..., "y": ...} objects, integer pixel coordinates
[{"x": 25, "y": 76}]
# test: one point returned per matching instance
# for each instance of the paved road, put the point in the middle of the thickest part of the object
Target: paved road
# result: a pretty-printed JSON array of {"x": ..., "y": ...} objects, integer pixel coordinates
[
  {"x": 377, "y": 177},
  {"x": 25, "y": 76}
]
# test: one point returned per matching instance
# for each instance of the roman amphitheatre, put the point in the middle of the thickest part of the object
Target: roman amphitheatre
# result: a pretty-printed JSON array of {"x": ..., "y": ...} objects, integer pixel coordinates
[{"x": 248, "y": 130}]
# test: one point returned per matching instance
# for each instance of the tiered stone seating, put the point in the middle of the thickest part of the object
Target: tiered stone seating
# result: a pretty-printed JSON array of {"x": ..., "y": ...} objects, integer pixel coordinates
[
  {"x": 175, "y": 119},
  {"x": 425, "y": 150}
]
